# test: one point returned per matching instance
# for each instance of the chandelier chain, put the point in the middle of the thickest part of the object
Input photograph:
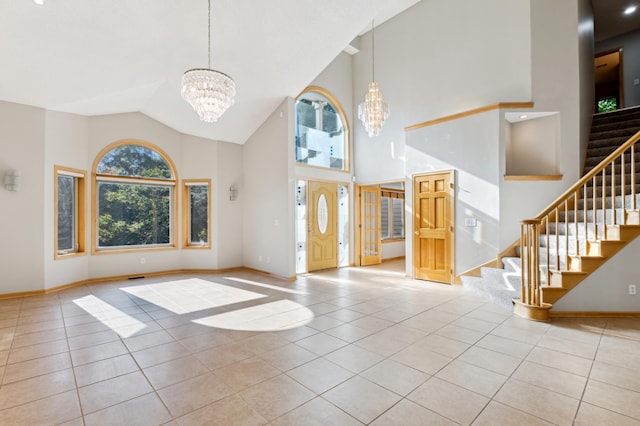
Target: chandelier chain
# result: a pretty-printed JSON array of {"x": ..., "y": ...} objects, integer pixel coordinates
[
  {"x": 209, "y": 34},
  {"x": 373, "y": 51}
]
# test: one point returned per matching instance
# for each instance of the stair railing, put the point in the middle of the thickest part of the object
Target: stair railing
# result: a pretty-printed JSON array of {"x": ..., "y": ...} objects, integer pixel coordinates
[{"x": 609, "y": 180}]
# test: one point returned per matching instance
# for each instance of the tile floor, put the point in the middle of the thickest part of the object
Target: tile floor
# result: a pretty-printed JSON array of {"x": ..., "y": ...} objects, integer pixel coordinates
[{"x": 347, "y": 347}]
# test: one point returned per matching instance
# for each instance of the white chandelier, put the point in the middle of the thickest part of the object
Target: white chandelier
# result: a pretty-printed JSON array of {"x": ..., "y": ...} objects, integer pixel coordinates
[
  {"x": 374, "y": 110},
  {"x": 208, "y": 91}
]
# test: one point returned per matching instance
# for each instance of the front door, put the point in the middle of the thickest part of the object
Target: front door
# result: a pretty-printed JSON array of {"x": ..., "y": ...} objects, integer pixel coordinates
[
  {"x": 432, "y": 227},
  {"x": 322, "y": 226}
]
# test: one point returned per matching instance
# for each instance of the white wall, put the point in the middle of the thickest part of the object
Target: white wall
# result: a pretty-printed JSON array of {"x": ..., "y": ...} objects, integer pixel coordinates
[
  {"x": 438, "y": 58},
  {"x": 469, "y": 146},
  {"x": 228, "y": 214},
  {"x": 607, "y": 288},
  {"x": 65, "y": 145},
  {"x": 268, "y": 191},
  {"x": 587, "y": 72},
  {"x": 22, "y": 131}
]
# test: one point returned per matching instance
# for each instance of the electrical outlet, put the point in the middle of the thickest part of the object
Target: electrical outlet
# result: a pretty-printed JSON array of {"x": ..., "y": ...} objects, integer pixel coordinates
[
  {"x": 632, "y": 289},
  {"x": 143, "y": 260}
]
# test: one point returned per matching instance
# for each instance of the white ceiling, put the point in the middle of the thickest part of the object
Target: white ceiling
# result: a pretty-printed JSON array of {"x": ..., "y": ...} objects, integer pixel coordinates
[{"x": 95, "y": 57}]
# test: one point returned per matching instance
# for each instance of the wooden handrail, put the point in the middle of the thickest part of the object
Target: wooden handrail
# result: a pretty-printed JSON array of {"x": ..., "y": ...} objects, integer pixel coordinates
[{"x": 585, "y": 179}]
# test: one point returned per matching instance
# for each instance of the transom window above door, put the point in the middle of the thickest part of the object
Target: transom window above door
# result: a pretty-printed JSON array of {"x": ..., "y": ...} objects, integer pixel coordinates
[{"x": 322, "y": 134}]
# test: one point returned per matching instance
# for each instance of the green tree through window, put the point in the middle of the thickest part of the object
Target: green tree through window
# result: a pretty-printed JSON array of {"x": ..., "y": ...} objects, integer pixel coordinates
[{"x": 135, "y": 187}]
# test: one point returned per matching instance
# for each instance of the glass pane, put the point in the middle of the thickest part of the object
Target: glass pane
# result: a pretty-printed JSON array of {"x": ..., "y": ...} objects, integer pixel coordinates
[
  {"x": 199, "y": 214},
  {"x": 384, "y": 218},
  {"x": 132, "y": 215},
  {"x": 134, "y": 160},
  {"x": 320, "y": 136},
  {"x": 66, "y": 213},
  {"x": 398, "y": 217}
]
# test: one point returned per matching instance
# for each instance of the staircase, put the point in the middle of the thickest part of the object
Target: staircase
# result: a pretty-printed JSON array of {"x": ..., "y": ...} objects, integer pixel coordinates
[{"x": 580, "y": 231}]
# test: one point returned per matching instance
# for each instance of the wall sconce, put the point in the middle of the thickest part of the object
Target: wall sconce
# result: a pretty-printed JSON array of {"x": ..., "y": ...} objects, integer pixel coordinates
[
  {"x": 12, "y": 180},
  {"x": 233, "y": 193}
]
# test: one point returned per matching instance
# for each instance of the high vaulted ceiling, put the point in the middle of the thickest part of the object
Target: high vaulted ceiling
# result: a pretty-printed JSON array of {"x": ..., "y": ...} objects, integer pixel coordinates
[{"x": 95, "y": 57}]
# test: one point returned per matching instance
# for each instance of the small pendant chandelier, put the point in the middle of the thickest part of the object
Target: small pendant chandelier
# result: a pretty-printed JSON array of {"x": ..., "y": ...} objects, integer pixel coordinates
[
  {"x": 374, "y": 110},
  {"x": 208, "y": 91}
]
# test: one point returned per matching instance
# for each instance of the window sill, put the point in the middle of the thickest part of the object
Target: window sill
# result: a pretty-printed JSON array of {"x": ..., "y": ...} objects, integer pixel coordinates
[
  {"x": 393, "y": 240},
  {"x": 60, "y": 256}
]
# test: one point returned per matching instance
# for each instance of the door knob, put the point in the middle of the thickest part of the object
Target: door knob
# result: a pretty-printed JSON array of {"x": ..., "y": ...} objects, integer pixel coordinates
[{"x": 417, "y": 232}]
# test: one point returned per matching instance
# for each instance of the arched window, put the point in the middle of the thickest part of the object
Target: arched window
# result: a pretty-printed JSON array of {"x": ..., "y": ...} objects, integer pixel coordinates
[
  {"x": 134, "y": 197},
  {"x": 322, "y": 133}
]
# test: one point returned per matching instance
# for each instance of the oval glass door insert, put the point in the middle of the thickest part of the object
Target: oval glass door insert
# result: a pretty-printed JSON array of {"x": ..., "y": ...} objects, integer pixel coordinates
[{"x": 322, "y": 214}]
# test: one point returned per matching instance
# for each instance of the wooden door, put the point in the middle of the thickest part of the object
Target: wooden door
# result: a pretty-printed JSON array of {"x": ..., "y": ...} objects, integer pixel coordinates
[
  {"x": 322, "y": 226},
  {"x": 433, "y": 227},
  {"x": 369, "y": 226}
]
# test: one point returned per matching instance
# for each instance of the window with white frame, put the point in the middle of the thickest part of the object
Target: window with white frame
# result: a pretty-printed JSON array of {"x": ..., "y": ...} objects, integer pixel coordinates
[
  {"x": 69, "y": 206},
  {"x": 134, "y": 197},
  {"x": 197, "y": 213},
  {"x": 391, "y": 215}
]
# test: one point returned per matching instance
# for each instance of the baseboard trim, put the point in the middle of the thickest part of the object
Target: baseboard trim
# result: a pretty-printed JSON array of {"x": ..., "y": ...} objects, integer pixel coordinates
[
  {"x": 594, "y": 314},
  {"x": 139, "y": 275}
]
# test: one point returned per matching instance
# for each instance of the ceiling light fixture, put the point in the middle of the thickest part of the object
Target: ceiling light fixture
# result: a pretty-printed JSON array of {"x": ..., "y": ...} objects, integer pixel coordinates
[
  {"x": 208, "y": 91},
  {"x": 630, "y": 10},
  {"x": 374, "y": 110},
  {"x": 39, "y": 2}
]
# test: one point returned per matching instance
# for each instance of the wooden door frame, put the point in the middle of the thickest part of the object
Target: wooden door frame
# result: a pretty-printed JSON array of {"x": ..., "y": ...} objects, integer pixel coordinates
[
  {"x": 358, "y": 223},
  {"x": 452, "y": 220}
]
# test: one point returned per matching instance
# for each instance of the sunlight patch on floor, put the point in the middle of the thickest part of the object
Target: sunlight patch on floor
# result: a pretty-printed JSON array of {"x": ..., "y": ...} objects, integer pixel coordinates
[
  {"x": 191, "y": 295},
  {"x": 272, "y": 287},
  {"x": 120, "y": 322},
  {"x": 273, "y": 316}
]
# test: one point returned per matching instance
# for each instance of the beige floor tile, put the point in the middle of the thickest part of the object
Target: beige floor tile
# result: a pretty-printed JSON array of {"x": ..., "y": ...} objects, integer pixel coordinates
[
  {"x": 74, "y": 422},
  {"x": 159, "y": 354},
  {"x": 205, "y": 341},
  {"x": 229, "y": 411},
  {"x": 494, "y": 361},
  {"x": 448, "y": 400},
  {"x": 324, "y": 322},
  {"x": 144, "y": 341},
  {"x": 321, "y": 343},
  {"x": 27, "y": 353},
  {"x": 394, "y": 376},
  {"x": 36, "y": 367},
  {"x": 569, "y": 331},
  {"x": 109, "y": 368},
  {"x": 613, "y": 398},
  {"x": 591, "y": 415},
  {"x": 276, "y": 396},
  {"x": 317, "y": 412},
  {"x": 143, "y": 410},
  {"x": 499, "y": 414},
  {"x": 614, "y": 375},
  {"x": 346, "y": 315},
  {"x": 195, "y": 393},
  {"x": 113, "y": 391},
  {"x": 39, "y": 337},
  {"x": 368, "y": 308},
  {"x": 530, "y": 337},
  {"x": 473, "y": 378},
  {"x": 246, "y": 373},
  {"x": 382, "y": 344},
  {"x": 86, "y": 340},
  {"x": 505, "y": 346},
  {"x": 372, "y": 323},
  {"x": 560, "y": 361},
  {"x": 177, "y": 370},
  {"x": 461, "y": 334},
  {"x": 348, "y": 333},
  {"x": 489, "y": 315},
  {"x": 323, "y": 308},
  {"x": 475, "y": 324},
  {"x": 407, "y": 413},
  {"x": 543, "y": 403},
  {"x": 583, "y": 350},
  {"x": 421, "y": 359},
  {"x": 362, "y": 399},
  {"x": 298, "y": 333},
  {"x": 442, "y": 345},
  {"x": 402, "y": 333},
  {"x": 223, "y": 355},
  {"x": 187, "y": 330},
  {"x": 354, "y": 358},
  {"x": 428, "y": 325},
  {"x": 52, "y": 410},
  {"x": 545, "y": 377},
  {"x": 88, "y": 328},
  {"x": 287, "y": 357},
  {"x": 264, "y": 342},
  {"x": 320, "y": 375},
  {"x": 393, "y": 315},
  {"x": 35, "y": 388},
  {"x": 98, "y": 352}
]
